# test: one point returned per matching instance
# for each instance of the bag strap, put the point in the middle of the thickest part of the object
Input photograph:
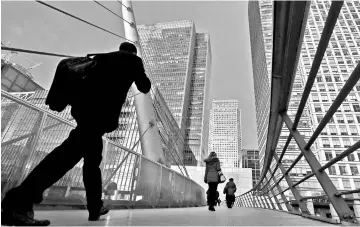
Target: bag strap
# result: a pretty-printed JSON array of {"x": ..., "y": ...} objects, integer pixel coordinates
[{"x": 89, "y": 55}]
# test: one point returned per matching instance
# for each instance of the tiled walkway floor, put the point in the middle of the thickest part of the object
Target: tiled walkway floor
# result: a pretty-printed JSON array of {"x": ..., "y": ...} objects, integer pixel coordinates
[{"x": 198, "y": 216}]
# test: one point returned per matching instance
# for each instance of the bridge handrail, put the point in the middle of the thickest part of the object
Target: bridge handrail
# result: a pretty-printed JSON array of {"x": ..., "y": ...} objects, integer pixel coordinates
[
  {"x": 69, "y": 123},
  {"x": 290, "y": 19}
]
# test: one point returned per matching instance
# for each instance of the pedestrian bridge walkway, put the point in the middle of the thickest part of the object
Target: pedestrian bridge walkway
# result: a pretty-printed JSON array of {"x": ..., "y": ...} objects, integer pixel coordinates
[{"x": 196, "y": 216}]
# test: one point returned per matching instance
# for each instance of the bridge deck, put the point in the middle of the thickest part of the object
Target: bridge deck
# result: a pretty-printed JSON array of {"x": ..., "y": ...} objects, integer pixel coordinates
[{"x": 199, "y": 216}]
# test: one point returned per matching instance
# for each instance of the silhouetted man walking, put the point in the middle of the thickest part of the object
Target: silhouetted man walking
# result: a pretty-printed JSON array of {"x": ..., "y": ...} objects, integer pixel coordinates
[{"x": 96, "y": 111}]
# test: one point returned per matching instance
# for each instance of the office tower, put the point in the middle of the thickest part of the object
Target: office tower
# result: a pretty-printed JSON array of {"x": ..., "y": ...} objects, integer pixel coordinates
[
  {"x": 197, "y": 129},
  {"x": 261, "y": 76},
  {"x": 225, "y": 132},
  {"x": 250, "y": 159},
  {"x": 178, "y": 61},
  {"x": 340, "y": 59}
]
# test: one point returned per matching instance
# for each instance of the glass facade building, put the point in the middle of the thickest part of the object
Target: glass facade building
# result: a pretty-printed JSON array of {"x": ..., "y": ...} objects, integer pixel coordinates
[
  {"x": 340, "y": 59},
  {"x": 178, "y": 61},
  {"x": 250, "y": 159},
  {"x": 225, "y": 132}
]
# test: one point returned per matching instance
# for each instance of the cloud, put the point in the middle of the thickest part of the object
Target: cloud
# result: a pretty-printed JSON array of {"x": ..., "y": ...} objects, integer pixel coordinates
[{"x": 16, "y": 29}]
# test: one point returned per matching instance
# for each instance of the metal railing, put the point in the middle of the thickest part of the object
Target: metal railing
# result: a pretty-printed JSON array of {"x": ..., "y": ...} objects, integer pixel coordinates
[
  {"x": 29, "y": 133},
  {"x": 276, "y": 187}
]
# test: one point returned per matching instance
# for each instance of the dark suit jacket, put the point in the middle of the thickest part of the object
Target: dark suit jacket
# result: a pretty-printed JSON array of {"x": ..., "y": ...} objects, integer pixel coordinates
[{"x": 105, "y": 89}]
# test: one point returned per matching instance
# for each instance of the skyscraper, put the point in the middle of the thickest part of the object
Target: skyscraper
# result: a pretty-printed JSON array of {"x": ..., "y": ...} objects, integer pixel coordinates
[
  {"x": 340, "y": 59},
  {"x": 225, "y": 132},
  {"x": 261, "y": 75},
  {"x": 197, "y": 129},
  {"x": 178, "y": 61}
]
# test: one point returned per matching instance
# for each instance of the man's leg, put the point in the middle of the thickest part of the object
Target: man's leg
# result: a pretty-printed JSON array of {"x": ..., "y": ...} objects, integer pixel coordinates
[
  {"x": 46, "y": 173},
  {"x": 93, "y": 179}
]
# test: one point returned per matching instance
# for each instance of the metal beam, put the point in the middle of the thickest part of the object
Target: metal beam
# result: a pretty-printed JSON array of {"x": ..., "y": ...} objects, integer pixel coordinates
[
  {"x": 276, "y": 199},
  {"x": 283, "y": 197},
  {"x": 339, "y": 204},
  {"x": 289, "y": 25},
  {"x": 294, "y": 191}
]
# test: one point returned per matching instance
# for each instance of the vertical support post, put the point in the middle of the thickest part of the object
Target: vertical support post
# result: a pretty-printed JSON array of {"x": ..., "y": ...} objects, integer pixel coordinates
[
  {"x": 254, "y": 202},
  {"x": 150, "y": 141},
  {"x": 263, "y": 202},
  {"x": 294, "y": 191},
  {"x": 273, "y": 194},
  {"x": 258, "y": 201},
  {"x": 283, "y": 197},
  {"x": 310, "y": 206},
  {"x": 251, "y": 199},
  {"x": 266, "y": 202},
  {"x": 271, "y": 203},
  {"x": 246, "y": 200}
]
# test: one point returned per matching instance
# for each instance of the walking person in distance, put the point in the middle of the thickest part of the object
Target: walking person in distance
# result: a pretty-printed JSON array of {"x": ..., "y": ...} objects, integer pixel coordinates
[{"x": 212, "y": 173}]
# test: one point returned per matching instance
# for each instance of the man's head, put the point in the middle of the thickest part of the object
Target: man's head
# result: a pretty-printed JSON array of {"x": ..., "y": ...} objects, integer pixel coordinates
[
  {"x": 128, "y": 47},
  {"x": 231, "y": 179}
]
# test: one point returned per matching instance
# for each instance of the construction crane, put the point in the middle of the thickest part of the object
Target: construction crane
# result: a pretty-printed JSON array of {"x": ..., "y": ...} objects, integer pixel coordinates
[{"x": 8, "y": 56}]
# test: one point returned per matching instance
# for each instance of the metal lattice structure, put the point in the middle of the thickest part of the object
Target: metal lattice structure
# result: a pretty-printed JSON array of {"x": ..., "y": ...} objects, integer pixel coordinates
[
  {"x": 276, "y": 185},
  {"x": 30, "y": 132}
]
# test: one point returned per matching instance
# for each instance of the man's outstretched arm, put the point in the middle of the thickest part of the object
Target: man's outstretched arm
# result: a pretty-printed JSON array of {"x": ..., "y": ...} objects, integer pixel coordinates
[{"x": 142, "y": 82}]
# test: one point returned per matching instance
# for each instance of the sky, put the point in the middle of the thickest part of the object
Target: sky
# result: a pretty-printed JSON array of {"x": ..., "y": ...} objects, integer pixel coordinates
[{"x": 30, "y": 25}]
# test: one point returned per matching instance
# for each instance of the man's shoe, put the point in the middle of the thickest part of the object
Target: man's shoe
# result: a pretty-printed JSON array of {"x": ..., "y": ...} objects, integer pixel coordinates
[
  {"x": 96, "y": 216},
  {"x": 211, "y": 208},
  {"x": 21, "y": 219}
]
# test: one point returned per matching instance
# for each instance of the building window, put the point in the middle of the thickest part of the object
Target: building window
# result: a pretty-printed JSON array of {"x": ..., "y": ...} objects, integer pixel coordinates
[
  {"x": 358, "y": 118},
  {"x": 325, "y": 143},
  {"x": 343, "y": 130},
  {"x": 328, "y": 156},
  {"x": 353, "y": 130},
  {"x": 315, "y": 98},
  {"x": 336, "y": 142},
  {"x": 346, "y": 108},
  {"x": 333, "y": 130},
  {"x": 328, "y": 79},
  {"x": 350, "y": 119},
  {"x": 347, "y": 142},
  {"x": 317, "y": 108},
  {"x": 351, "y": 157},
  {"x": 332, "y": 170},
  {"x": 356, "y": 107},
  {"x": 319, "y": 118},
  {"x": 357, "y": 183},
  {"x": 346, "y": 184},
  {"x": 324, "y": 98},
  {"x": 342, "y": 169},
  {"x": 340, "y": 119}
]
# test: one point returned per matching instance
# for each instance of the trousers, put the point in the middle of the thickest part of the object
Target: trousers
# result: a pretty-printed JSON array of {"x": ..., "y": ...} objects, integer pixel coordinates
[
  {"x": 230, "y": 199},
  {"x": 212, "y": 193},
  {"x": 82, "y": 142}
]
